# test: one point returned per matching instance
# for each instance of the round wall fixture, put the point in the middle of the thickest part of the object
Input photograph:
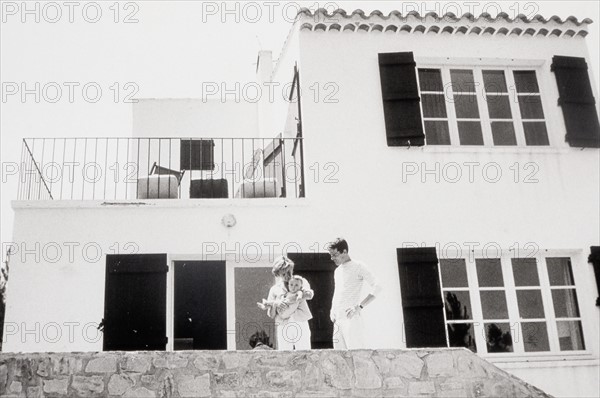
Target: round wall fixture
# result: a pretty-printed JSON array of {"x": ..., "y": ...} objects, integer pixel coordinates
[{"x": 228, "y": 220}]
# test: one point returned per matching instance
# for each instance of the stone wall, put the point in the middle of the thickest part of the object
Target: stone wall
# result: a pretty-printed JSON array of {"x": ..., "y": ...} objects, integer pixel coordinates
[{"x": 319, "y": 373}]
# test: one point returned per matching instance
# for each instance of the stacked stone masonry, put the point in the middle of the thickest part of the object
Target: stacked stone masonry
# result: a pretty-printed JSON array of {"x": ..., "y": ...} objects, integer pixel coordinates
[{"x": 268, "y": 374}]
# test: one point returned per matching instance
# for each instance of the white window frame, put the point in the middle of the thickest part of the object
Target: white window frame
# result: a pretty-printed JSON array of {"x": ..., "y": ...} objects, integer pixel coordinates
[
  {"x": 477, "y": 66},
  {"x": 510, "y": 289}
]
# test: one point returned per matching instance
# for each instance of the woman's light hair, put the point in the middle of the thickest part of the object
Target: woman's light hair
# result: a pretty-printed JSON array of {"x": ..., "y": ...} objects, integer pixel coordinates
[{"x": 281, "y": 265}]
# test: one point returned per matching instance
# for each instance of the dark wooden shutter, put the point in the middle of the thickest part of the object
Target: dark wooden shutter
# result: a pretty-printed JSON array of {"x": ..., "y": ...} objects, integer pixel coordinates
[
  {"x": 577, "y": 101},
  {"x": 594, "y": 258},
  {"x": 401, "y": 99},
  {"x": 421, "y": 297},
  {"x": 197, "y": 154},
  {"x": 135, "y": 302}
]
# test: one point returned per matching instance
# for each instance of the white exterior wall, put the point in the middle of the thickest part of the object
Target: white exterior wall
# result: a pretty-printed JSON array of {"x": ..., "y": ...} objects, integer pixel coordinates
[{"x": 393, "y": 208}]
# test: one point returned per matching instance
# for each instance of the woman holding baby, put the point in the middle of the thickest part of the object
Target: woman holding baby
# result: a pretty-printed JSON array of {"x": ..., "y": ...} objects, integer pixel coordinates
[{"x": 286, "y": 304}]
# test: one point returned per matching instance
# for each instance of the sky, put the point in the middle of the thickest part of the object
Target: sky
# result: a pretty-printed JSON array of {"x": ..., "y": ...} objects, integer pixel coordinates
[{"x": 161, "y": 49}]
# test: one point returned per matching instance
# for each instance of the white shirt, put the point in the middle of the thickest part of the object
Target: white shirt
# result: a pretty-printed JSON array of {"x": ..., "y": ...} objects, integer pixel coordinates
[{"x": 349, "y": 279}]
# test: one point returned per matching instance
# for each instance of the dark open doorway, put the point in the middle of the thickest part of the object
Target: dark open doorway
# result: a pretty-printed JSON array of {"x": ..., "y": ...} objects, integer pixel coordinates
[{"x": 200, "y": 307}]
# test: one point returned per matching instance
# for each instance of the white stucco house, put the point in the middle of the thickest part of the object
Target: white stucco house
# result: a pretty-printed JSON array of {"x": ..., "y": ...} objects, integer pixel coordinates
[{"x": 458, "y": 155}]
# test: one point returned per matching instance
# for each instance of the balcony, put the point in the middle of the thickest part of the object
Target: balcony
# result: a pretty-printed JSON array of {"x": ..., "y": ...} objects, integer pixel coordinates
[{"x": 113, "y": 169}]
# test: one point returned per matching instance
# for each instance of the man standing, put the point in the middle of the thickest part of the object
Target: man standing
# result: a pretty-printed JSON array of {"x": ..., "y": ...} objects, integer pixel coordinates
[{"x": 349, "y": 278}]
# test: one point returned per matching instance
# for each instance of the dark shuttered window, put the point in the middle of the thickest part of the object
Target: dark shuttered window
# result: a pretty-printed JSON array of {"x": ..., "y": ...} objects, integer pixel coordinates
[
  {"x": 577, "y": 101},
  {"x": 421, "y": 297},
  {"x": 400, "y": 93}
]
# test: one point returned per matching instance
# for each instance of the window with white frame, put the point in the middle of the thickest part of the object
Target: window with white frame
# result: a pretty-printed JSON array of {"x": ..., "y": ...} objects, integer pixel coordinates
[
  {"x": 482, "y": 106},
  {"x": 511, "y": 305}
]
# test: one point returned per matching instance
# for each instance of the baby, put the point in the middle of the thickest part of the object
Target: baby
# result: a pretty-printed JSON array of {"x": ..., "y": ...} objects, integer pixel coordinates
[{"x": 292, "y": 299}]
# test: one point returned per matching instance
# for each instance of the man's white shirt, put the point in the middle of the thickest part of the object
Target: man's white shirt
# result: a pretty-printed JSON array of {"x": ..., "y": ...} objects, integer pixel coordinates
[{"x": 349, "y": 279}]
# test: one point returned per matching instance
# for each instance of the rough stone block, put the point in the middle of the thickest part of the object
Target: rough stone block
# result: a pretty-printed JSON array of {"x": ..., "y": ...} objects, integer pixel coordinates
[
  {"x": 451, "y": 385},
  {"x": 3, "y": 378},
  {"x": 140, "y": 392},
  {"x": 235, "y": 360},
  {"x": 231, "y": 394},
  {"x": 167, "y": 386},
  {"x": 299, "y": 359},
  {"x": 283, "y": 379},
  {"x": 227, "y": 380},
  {"x": 25, "y": 368},
  {"x": 88, "y": 386},
  {"x": 271, "y": 359},
  {"x": 44, "y": 367},
  {"x": 313, "y": 378},
  {"x": 440, "y": 365},
  {"x": 337, "y": 372},
  {"x": 452, "y": 394},
  {"x": 206, "y": 362},
  {"x": 468, "y": 366},
  {"x": 193, "y": 386},
  {"x": 65, "y": 365},
  {"x": 407, "y": 365},
  {"x": 393, "y": 383},
  {"x": 366, "y": 373},
  {"x": 15, "y": 387},
  {"x": 137, "y": 364},
  {"x": 421, "y": 388},
  {"x": 316, "y": 394},
  {"x": 269, "y": 394},
  {"x": 34, "y": 392},
  {"x": 251, "y": 380},
  {"x": 148, "y": 379},
  {"x": 119, "y": 383},
  {"x": 170, "y": 362},
  {"x": 56, "y": 386},
  {"x": 104, "y": 364}
]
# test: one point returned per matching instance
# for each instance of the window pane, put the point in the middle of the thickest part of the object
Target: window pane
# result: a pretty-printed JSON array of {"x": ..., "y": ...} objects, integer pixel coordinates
[
  {"x": 493, "y": 304},
  {"x": 430, "y": 80},
  {"x": 531, "y": 107},
  {"x": 526, "y": 81},
  {"x": 504, "y": 133},
  {"x": 535, "y": 133},
  {"x": 559, "y": 271},
  {"x": 462, "y": 80},
  {"x": 462, "y": 335},
  {"x": 565, "y": 303},
  {"x": 525, "y": 272},
  {"x": 494, "y": 81},
  {"x": 466, "y": 106},
  {"x": 530, "y": 304},
  {"x": 499, "y": 107},
  {"x": 489, "y": 272},
  {"x": 469, "y": 133},
  {"x": 433, "y": 105},
  {"x": 570, "y": 335},
  {"x": 498, "y": 337},
  {"x": 458, "y": 306},
  {"x": 454, "y": 273},
  {"x": 437, "y": 133},
  {"x": 535, "y": 336}
]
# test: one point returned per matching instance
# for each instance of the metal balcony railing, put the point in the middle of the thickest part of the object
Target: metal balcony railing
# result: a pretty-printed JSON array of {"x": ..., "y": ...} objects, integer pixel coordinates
[{"x": 114, "y": 168}]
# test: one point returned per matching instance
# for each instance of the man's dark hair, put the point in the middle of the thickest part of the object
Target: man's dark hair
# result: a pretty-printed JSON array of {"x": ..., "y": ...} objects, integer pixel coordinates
[
  {"x": 260, "y": 337},
  {"x": 339, "y": 244}
]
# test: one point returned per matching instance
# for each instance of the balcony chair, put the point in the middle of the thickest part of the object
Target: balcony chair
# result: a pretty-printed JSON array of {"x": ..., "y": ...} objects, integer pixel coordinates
[{"x": 161, "y": 183}]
